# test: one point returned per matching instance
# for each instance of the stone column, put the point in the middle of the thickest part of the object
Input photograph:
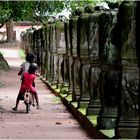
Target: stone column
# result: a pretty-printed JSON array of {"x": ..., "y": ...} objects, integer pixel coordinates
[
  {"x": 53, "y": 50},
  {"x": 65, "y": 63},
  {"x": 47, "y": 48},
  {"x": 138, "y": 56},
  {"x": 69, "y": 57},
  {"x": 94, "y": 73},
  {"x": 128, "y": 120},
  {"x": 61, "y": 50},
  {"x": 76, "y": 62},
  {"x": 48, "y": 54},
  {"x": 82, "y": 48},
  {"x": 110, "y": 77}
]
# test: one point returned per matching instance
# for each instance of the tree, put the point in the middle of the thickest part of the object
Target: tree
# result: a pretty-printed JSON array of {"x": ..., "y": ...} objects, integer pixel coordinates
[
  {"x": 34, "y": 10},
  {"x": 25, "y": 10},
  {"x": 14, "y": 10}
]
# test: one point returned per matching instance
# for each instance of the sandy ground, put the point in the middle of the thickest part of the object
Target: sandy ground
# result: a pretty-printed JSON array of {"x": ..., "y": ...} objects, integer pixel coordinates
[{"x": 53, "y": 121}]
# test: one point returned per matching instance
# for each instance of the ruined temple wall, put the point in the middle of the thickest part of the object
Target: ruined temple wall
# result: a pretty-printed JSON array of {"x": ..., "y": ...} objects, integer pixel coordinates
[{"x": 92, "y": 60}]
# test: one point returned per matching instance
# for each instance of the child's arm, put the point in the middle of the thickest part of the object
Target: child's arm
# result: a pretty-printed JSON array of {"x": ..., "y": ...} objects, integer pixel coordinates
[{"x": 20, "y": 72}]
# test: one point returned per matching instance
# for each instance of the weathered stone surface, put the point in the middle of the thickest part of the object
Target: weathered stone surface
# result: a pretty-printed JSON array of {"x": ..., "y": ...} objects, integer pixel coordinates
[
  {"x": 67, "y": 39},
  {"x": 127, "y": 125},
  {"x": 110, "y": 87},
  {"x": 76, "y": 79},
  {"x": 129, "y": 109},
  {"x": 84, "y": 84},
  {"x": 93, "y": 37},
  {"x": 94, "y": 105},
  {"x": 73, "y": 35},
  {"x": 108, "y": 51},
  {"x": 60, "y": 38},
  {"x": 70, "y": 62},
  {"x": 82, "y": 35}
]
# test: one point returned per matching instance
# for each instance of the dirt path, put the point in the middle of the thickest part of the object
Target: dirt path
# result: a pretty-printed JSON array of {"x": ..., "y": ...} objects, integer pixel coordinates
[{"x": 53, "y": 121}]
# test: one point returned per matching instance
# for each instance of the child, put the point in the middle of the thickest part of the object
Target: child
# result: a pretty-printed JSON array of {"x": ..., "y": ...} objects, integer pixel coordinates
[
  {"x": 27, "y": 83},
  {"x": 25, "y": 66}
]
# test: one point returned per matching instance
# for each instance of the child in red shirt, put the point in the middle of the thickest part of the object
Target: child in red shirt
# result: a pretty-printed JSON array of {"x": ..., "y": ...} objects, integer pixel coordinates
[{"x": 27, "y": 84}]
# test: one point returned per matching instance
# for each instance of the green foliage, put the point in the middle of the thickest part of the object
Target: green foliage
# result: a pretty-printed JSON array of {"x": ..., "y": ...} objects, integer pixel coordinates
[
  {"x": 73, "y": 5},
  {"x": 21, "y": 53},
  {"x": 35, "y": 10},
  {"x": 28, "y": 10},
  {"x": 49, "y": 6},
  {"x": 17, "y": 10}
]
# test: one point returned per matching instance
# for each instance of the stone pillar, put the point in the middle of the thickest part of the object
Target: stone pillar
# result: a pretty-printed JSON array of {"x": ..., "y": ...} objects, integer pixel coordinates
[
  {"x": 45, "y": 38},
  {"x": 94, "y": 105},
  {"x": 54, "y": 58},
  {"x": 69, "y": 57},
  {"x": 138, "y": 56},
  {"x": 61, "y": 50},
  {"x": 94, "y": 73},
  {"x": 128, "y": 120},
  {"x": 53, "y": 50},
  {"x": 48, "y": 75},
  {"x": 39, "y": 49},
  {"x": 47, "y": 48},
  {"x": 82, "y": 48},
  {"x": 65, "y": 63},
  {"x": 76, "y": 62},
  {"x": 43, "y": 51},
  {"x": 110, "y": 77}
]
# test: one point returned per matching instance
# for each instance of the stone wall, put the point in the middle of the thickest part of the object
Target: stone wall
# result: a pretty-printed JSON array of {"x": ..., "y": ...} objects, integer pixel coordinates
[{"x": 92, "y": 58}]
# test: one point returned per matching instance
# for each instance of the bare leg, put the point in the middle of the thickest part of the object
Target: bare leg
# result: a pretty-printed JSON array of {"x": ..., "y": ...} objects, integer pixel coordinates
[
  {"x": 36, "y": 98},
  {"x": 33, "y": 102},
  {"x": 17, "y": 101}
]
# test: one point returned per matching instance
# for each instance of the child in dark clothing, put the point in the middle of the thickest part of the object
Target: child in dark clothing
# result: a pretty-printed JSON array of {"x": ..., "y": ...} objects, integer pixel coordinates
[{"x": 25, "y": 66}]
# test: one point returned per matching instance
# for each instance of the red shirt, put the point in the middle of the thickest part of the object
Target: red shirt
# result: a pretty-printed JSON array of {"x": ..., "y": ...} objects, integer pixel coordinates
[{"x": 27, "y": 82}]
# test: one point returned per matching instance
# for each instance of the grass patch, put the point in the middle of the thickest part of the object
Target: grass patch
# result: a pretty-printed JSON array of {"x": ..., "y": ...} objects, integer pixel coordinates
[
  {"x": 57, "y": 90},
  {"x": 2, "y": 52},
  {"x": 82, "y": 110},
  {"x": 108, "y": 132},
  {"x": 69, "y": 97},
  {"x": 63, "y": 95},
  {"x": 75, "y": 104},
  {"x": 56, "y": 100},
  {"x": 93, "y": 119},
  {"x": 21, "y": 54},
  {"x": 53, "y": 86}
]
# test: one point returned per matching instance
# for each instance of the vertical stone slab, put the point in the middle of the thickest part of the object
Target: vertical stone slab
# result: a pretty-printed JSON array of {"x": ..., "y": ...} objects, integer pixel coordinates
[
  {"x": 94, "y": 105},
  {"x": 109, "y": 87},
  {"x": 94, "y": 72},
  {"x": 46, "y": 40},
  {"x": 61, "y": 50},
  {"x": 55, "y": 58},
  {"x": 43, "y": 51},
  {"x": 69, "y": 57},
  {"x": 48, "y": 53},
  {"x": 138, "y": 56},
  {"x": 93, "y": 37},
  {"x": 128, "y": 121},
  {"x": 73, "y": 35},
  {"x": 82, "y": 50},
  {"x": 110, "y": 71},
  {"x": 76, "y": 62},
  {"x": 52, "y": 50}
]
